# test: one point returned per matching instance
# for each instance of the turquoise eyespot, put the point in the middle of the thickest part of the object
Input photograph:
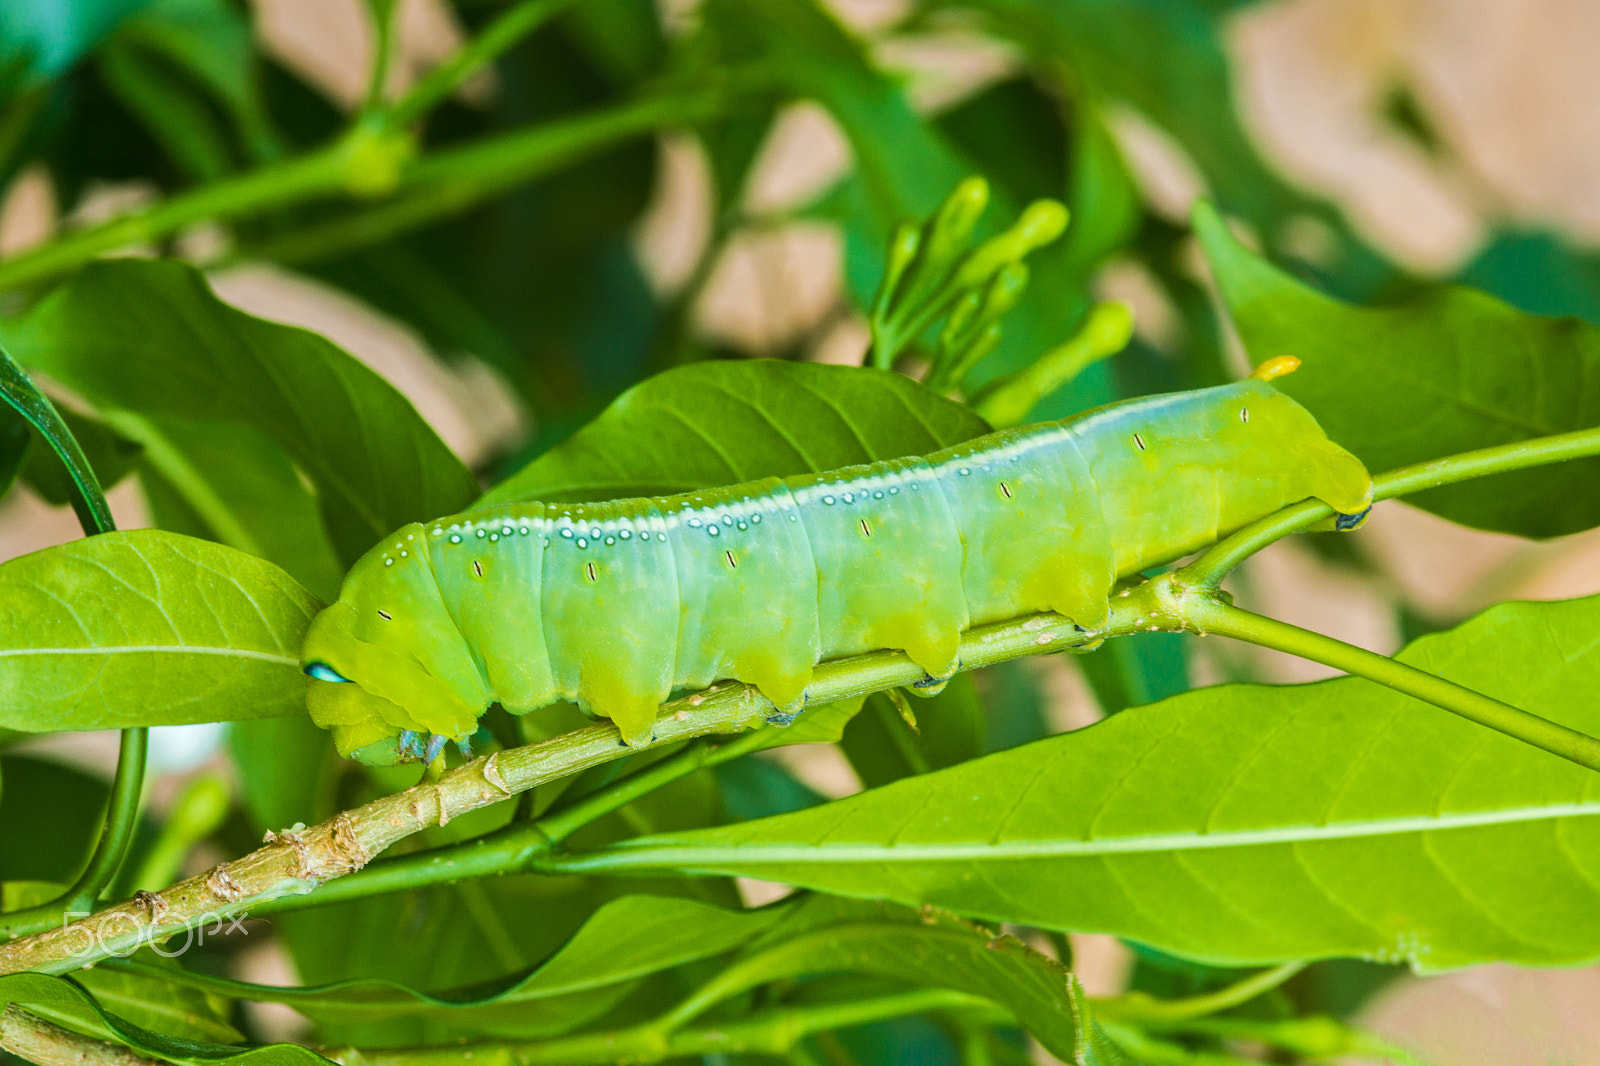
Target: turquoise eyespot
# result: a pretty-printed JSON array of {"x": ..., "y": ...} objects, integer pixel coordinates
[{"x": 324, "y": 672}]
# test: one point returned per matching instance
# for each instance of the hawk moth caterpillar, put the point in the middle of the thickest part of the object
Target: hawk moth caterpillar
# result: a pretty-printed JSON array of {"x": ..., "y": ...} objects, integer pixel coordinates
[{"x": 616, "y": 604}]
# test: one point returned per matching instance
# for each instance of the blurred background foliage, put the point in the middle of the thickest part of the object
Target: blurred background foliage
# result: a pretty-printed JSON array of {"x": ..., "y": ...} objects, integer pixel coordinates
[{"x": 636, "y": 185}]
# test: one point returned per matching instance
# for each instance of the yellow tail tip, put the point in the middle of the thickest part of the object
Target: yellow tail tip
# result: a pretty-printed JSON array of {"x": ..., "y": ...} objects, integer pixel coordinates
[{"x": 1276, "y": 368}]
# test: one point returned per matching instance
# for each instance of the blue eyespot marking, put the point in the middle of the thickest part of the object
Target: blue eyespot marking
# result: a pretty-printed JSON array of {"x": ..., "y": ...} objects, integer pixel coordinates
[{"x": 324, "y": 672}]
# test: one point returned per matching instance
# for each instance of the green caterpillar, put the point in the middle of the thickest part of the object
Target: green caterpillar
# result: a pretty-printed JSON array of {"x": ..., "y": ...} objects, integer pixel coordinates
[{"x": 616, "y": 604}]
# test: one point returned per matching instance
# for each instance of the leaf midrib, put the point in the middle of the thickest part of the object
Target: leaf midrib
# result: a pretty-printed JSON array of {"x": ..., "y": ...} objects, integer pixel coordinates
[
  {"x": 173, "y": 649},
  {"x": 645, "y": 853}
]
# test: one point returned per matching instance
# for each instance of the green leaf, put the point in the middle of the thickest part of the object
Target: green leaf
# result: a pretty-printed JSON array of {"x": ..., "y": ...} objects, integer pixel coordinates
[
  {"x": 184, "y": 1013},
  {"x": 209, "y": 41},
  {"x": 42, "y": 38},
  {"x": 1015, "y": 702},
  {"x": 904, "y": 165},
  {"x": 169, "y": 108},
  {"x": 481, "y": 936},
  {"x": 19, "y": 391},
  {"x": 905, "y": 168},
  {"x": 1105, "y": 202},
  {"x": 925, "y": 947},
  {"x": 755, "y": 788},
  {"x": 49, "y": 810},
  {"x": 148, "y": 337},
  {"x": 573, "y": 325},
  {"x": 1166, "y": 59},
  {"x": 1449, "y": 371},
  {"x": 622, "y": 37},
  {"x": 17, "y": 895},
  {"x": 66, "y": 1003},
  {"x": 610, "y": 947},
  {"x": 1245, "y": 824},
  {"x": 1014, "y": 131},
  {"x": 147, "y": 628},
  {"x": 726, "y": 422},
  {"x": 287, "y": 769},
  {"x": 1538, "y": 272},
  {"x": 234, "y": 484},
  {"x": 625, "y": 940}
]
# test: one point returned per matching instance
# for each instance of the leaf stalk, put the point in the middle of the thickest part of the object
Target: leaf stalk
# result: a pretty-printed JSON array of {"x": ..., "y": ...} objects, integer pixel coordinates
[
  {"x": 1222, "y": 559},
  {"x": 1208, "y": 615}
]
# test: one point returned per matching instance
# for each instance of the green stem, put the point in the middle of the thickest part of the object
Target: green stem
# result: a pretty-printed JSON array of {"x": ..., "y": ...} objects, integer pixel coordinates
[
  {"x": 1141, "y": 1008},
  {"x": 768, "y": 1032},
  {"x": 498, "y": 36},
  {"x": 116, "y": 833},
  {"x": 699, "y": 755},
  {"x": 122, "y": 816},
  {"x": 449, "y": 182},
  {"x": 370, "y": 161},
  {"x": 122, "y": 807},
  {"x": 519, "y": 844},
  {"x": 1312, "y": 1036},
  {"x": 280, "y": 185},
  {"x": 172, "y": 463},
  {"x": 785, "y": 958},
  {"x": 1220, "y": 560},
  {"x": 383, "y": 19},
  {"x": 1106, "y": 330},
  {"x": 1208, "y": 615},
  {"x": 899, "y": 732}
]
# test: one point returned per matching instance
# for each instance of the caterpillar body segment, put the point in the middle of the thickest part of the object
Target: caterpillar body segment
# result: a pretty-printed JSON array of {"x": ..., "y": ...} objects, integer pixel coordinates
[{"x": 616, "y": 604}]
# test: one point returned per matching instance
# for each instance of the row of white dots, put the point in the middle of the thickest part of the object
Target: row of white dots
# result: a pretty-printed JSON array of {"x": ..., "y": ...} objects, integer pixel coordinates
[{"x": 599, "y": 536}]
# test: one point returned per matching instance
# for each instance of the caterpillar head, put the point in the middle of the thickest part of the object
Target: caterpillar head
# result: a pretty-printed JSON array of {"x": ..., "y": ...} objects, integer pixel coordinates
[{"x": 386, "y": 662}]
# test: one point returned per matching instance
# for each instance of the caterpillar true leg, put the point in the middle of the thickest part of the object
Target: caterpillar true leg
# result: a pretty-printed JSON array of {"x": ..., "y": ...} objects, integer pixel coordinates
[{"x": 435, "y": 745}]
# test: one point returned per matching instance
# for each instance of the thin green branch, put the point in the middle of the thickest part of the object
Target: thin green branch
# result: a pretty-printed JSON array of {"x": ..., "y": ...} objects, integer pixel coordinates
[
  {"x": 449, "y": 182},
  {"x": 785, "y": 957},
  {"x": 122, "y": 817},
  {"x": 519, "y": 844},
  {"x": 1217, "y": 562},
  {"x": 1313, "y": 1036},
  {"x": 116, "y": 833},
  {"x": 283, "y": 184},
  {"x": 367, "y": 163},
  {"x": 495, "y": 39},
  {"x": 1207, "y": 615},
  {"x": 699, "y": 755},
  {"x": 383, "y": 22},
  {"x": 1142, "y": 1008},
  {"x": 94, "y": 515}
]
